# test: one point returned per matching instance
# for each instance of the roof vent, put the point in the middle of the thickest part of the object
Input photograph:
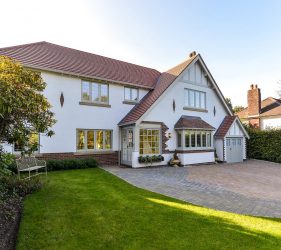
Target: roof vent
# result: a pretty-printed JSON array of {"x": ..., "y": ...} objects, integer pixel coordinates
[{"x": 193, "y": 53}]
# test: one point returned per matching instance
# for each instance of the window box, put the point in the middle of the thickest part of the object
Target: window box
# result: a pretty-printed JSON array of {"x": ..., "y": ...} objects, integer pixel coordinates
[
  {"x": 95, "y": 104},
  {"x": 150, "y": 159}
]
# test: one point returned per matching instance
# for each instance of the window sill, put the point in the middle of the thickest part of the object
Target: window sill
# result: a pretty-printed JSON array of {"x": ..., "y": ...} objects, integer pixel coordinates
[
  {"x": 130, "y": 102},
  {"x": 196, "y": 109},
  {"x": 180, "y": 151},
  {"x": 105, "y": 105},
  {"x": 93, "y": 152}
]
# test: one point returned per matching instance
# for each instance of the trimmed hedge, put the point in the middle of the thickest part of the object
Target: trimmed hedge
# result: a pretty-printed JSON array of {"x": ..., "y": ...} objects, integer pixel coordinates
[
  {"x": 74, "y": 163},
  {"x": 264, "y": 145}
]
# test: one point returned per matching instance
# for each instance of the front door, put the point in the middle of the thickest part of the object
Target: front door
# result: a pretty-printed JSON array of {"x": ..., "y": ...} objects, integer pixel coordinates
[
  {"x": 127, "y": 145},
  {"x": 234, "y": 150}
]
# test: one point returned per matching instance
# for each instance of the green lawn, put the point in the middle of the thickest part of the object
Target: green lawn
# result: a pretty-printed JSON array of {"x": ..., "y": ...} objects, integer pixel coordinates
[{"x": 92, "y": 209}]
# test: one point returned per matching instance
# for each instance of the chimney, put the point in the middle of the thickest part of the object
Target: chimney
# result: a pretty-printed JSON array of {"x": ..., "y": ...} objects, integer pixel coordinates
[
  {"x": 193, "y": 53},
  {"x": 254, "y": 100}
]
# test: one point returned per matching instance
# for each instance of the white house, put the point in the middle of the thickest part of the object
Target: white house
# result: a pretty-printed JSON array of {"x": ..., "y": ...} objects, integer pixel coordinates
[
  {"x": 117, "y": 111},
  {"x": 263, "y": 114}
]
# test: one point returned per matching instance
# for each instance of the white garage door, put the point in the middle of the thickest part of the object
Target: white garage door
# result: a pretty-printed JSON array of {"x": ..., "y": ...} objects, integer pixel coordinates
[{"x": 234, "y": 149}]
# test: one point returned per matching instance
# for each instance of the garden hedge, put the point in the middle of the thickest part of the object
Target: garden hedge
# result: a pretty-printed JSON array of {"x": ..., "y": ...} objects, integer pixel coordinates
[
  {"x": 71, "y": 164},
  {"x": 264, "y": 145}
]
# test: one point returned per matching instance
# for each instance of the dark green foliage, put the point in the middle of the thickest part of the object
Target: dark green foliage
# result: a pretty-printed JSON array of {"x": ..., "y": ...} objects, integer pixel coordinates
[
  {"x": 71, "y": 164},
  {"x": 150, "y": 159},
  {"x": 264, "y": 144}
]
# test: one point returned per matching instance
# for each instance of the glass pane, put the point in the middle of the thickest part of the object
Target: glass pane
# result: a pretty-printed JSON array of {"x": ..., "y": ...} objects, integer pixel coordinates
[
  {"x": 187, "y": 136},
  {"x": 135, "y": 95},
  {"x": 99, "y": 136},
  {"x": 104, "y": 93},
  {"x": 197, "y": 99},
  {"x": 202, "y": 100},
  {"x": 198, "y": 135},
  {"x": 192, "y": 134},
  {"x": 108, "y": 139},
  {"x": 90, "y": 140},
  {"x": 127, "y": 94},
  {"x": 191, "y": 98},
  {"x": 179, "y": 139},
  {"x": 186, "y": 98},
  {"x": 95, "y": 92},
  {"x": 85, "y": 91},
  {"x": 80, "y": 139},
  {"x": 204, "y": 141},
  {"x": 208, "y": 140}
]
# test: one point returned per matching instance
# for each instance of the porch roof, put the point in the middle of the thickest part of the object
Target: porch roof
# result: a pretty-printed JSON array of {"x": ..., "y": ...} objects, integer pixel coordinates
[{"x": 192, "y": 122}]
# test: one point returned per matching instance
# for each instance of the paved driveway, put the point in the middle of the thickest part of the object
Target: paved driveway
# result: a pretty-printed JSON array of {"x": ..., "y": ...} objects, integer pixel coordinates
[{"x": 252, "y": 187}]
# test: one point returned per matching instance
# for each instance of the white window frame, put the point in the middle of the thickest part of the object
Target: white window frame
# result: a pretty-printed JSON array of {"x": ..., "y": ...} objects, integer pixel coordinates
[
  {"x": 196, "y": 131},
  {"x": 159, "y": 142},
  {"x": 95, "y": 140},
  {"x": 187, "y": 99},
  {"x": 131, "y": 100},
  {"x": 90, "y": 92}
]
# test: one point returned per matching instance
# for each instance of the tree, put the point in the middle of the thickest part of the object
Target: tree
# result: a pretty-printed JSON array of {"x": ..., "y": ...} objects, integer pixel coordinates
[
  {"x": 23, "y": 108},
  {"x": 229, "y": 103},
  {"x": 238, "y": 108}
]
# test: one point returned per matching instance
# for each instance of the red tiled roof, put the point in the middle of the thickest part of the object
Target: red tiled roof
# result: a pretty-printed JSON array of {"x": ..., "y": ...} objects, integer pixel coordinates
[
  {"x": 52, "y": 57},
  {"x": 269, "y": 107},
  {"x": 225, "y": 126},
  {"x": 192, "y": 122},
  {"x": 164, "y": 81}
]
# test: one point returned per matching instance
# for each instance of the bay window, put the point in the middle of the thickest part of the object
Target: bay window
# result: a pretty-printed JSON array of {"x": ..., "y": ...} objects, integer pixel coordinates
[
  {"x": 89, "y": 139},
  {"x": 149, "y": 141},
  {"x": 94, "y": 92},
  {"x": 194, "y": 139}
]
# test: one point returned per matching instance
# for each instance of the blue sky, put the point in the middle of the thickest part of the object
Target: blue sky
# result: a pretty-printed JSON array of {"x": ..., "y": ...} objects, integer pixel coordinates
[{"x": 239, "y": 40}]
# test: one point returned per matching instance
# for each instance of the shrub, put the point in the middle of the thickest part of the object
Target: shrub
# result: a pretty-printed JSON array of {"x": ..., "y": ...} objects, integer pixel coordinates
[
  {"x": 150, "y": 159},
  {"x": 73, "y": 163},
  {"x": 264, "y": 144}
]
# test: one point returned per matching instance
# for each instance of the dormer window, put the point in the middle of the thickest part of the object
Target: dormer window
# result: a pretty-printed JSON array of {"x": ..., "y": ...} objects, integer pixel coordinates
[
  {"x": 94, "y": 92},
  {"x": 131, "y": 94}
]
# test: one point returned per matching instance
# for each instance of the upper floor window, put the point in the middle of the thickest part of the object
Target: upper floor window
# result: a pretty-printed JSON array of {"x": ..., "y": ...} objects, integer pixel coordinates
[
  {"x": 195, "y": 99},
  {"x": 94, "y": 92},
  {"x": 131, "y": 94}
]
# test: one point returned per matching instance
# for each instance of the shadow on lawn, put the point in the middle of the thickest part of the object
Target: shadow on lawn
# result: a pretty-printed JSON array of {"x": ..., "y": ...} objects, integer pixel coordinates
[{"x": 265, "y": 229}]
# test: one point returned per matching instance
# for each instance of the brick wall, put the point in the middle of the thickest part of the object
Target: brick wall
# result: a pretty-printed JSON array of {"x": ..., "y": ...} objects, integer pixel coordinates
[
  {"x": 102, "y": 158},
  {"x": 254, "y": 100}
]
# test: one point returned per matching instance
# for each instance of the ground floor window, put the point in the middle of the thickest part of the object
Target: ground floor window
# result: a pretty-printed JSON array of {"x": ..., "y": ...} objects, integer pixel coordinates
[
  {"x": 33, "y": 142},
  {"x": 149, "y": 141},
  {"x": 194, "y": 139},
  {"x": 91, "y": 139}
]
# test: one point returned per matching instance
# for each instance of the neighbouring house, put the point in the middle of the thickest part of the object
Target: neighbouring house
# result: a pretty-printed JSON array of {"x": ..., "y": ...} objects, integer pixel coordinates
[
  {"x": 263, "y": 114},
  {"x": 117, "y": 111}
]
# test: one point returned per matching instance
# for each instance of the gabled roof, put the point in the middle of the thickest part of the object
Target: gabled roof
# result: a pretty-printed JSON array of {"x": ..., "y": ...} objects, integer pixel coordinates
[
  {"x": 52, "y": 57},
  {"x": 269, "y": 107},
  {"x": 164, "y": 81},
  {"x": 192, "y": 122},
  {"x": 225, "y": 126}
]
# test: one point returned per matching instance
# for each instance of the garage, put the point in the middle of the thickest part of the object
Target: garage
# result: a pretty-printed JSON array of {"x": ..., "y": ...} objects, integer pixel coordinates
[
  {"x": 234, "y": 149},
  {"x": 230, "y": 140}
]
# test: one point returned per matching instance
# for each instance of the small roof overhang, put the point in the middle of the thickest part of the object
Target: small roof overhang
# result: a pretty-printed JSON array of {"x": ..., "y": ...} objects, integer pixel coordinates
[{"x": 192, "y": 122}]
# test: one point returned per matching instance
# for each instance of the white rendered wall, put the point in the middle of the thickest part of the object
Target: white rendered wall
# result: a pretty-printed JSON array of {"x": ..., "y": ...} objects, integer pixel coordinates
[
  {"x": 267, "y": 123},
  {"x": 219, "y": 148},
  {"x": 163, "y": 109},
  {"x": 195, "y": 158},
  {"x": 72, "y": 115}
]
